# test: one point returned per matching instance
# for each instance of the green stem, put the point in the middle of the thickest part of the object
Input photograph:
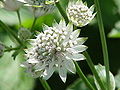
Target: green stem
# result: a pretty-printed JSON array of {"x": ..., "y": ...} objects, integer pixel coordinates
[
  {"x": 103, "y": 41},
  {"x": 18, "y": 14},
  {"x": 80, "y": 73},
  {"x": 45, "y": 84},
  {"x": 10, "y": 49},
  {"x": 91, "y": 65},
  {"x": 10, "y": 32},
  {"x": 33, "y": 24},
  {"x": 62, "y": 11}
]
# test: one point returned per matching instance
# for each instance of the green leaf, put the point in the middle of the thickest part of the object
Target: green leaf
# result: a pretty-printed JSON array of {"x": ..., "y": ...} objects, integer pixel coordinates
[
  {"x": 12, "y": 76},
  {"x": 79, "y": 84},
  {"x": 115, "y": 32}
]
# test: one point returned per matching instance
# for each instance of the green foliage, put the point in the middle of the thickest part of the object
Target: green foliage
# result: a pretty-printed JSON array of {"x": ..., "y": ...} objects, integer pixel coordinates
[
  {"x": 12, "y": 77},
  {"x": 80, "y": 85},
  {"x": 115, "y": 33}
]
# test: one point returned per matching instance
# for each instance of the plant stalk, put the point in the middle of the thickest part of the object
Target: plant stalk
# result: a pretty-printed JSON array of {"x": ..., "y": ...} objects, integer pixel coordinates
[
  {"x": 103, "y": 41},
  {"x": 19, "y": 18},
  {"x": 62, "y": 11},
  {"x": 91, "y": 65},
  {"x": 33, "y": 24},
  {"x": 80, "y": 73},
  {"x": 45, "y": 84}
]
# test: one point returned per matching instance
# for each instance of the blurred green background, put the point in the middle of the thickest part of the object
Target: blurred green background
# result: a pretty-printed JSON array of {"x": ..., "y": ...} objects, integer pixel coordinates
[{"x": 13, "y": 77}]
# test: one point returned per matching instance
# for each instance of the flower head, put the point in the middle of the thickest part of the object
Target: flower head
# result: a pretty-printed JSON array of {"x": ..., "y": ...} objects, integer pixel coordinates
[
  {"x": 55, "y": 49},
  {"x": 39, "y": 7},
  {"x": 79, "y": 14},
  {"x": 12, "y": 5}
]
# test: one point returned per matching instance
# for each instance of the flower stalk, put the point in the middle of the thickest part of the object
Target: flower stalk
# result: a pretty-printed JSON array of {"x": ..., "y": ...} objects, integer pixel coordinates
[
  {"x": 33, "y": 24},
  {"x": 103, "y": 41},
  {"x": 45, "y": 84},
  {"x": 91, "y": 65},
  {"x": 80, "y": 73},
  {"x": 19, "y": 18},
  {"x": 62, "y": 11}
]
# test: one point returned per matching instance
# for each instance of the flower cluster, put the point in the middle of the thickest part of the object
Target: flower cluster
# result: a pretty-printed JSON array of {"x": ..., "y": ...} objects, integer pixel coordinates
[
  {"x": 55, "y": 49},
  {"x": 79, "y": 14},
  {"x": 12, "y": 5}
]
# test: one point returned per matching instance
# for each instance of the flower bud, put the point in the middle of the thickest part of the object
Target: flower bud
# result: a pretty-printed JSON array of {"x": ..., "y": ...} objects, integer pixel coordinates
[
  {"x": 102, "y": 74},
  {"x": 24, "y": 34},
  {"x": 79, "y": 14}
]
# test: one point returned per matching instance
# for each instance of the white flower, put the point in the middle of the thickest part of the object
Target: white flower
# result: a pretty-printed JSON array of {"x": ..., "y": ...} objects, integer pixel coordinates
[
  {"x": 24, "y": 34},
  {"x": 79, "y": 14},
  {"x": 55, "y": 49},
  {"x": 12, "y": 5},
  {"x": 39, "y": 7}
]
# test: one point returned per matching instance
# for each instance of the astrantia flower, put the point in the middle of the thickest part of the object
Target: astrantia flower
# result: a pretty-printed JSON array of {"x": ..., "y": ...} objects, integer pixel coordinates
[
  {"x": 12, "y": 5},
  {"x": 79, "y": 14},
  {"x": 39, "y": 7},
  {"x": 55, "y": 49}
]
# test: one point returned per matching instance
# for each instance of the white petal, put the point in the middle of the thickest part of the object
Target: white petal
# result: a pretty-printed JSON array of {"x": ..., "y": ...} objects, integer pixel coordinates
[
  {"x": 92, "y": 8},
  {"x": 49, "y": 71},
  {"x": 75, "y": 34},
  {"x": 62, "y": 23},
  {"x": 62, "y": 73},
  {"x": 79, "y": 48},
  {"x": 25, "y": 64},
  {"x": 78, "y": 57},
  {"x": 70, "y": 27},
  {"x": 39, "y": 67},
  {"x": 45, "y": 27},
  {"x": 32, "y": 61},
  {"x": 80, "y": 41},
  {"x": 70, "y": 66},
  {"x": 55, "y": 24}
]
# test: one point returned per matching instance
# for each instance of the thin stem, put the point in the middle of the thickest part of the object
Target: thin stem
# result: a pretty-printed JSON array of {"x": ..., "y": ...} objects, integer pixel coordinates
[
  {"x": 62, "y": 11},
  {"x": 45, "y": 84},
  {"x": 33, "y": 24},
  {"x": 19, "y": 18},
  {"x": 91, "y": 65},
  {"x": 80, "y": 73},
  {"x": 103, "y": 41},
  {"x": 10, "y": 49},
  {"x": 10, "y": 32}
]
